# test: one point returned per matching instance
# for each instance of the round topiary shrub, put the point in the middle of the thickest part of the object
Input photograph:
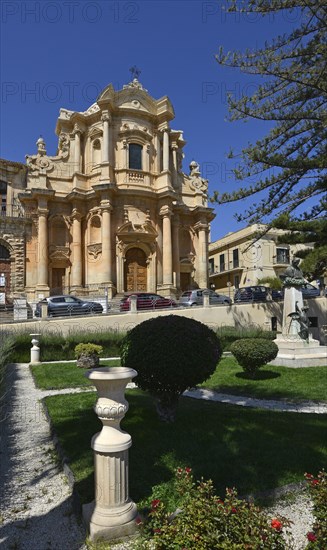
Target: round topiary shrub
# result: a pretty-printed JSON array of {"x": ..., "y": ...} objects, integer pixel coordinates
[
  {"x": 253, "y": 353},
  {"x": 170, "y": 354}
]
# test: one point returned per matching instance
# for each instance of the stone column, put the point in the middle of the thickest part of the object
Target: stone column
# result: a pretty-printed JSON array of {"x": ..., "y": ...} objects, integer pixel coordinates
[
  {"x": 125, "y": 149},
  {"x": 165, "y": 212},
  {"x": 106, "y": 142},
  {"x": 77, "y": 268},
  {"x": 77, "y": 151},
  {"x": 165, "y": 150},
  {"x": 174, "y": 149},
  {"x": 176, "y": 264},
  {"x": 202, "y": 254},
  {"x": 146, "y": 158},
  {"x": 158, "y": 153},
  {"x": 43, "y": 247},
  {"x": 106, "y": 242}
]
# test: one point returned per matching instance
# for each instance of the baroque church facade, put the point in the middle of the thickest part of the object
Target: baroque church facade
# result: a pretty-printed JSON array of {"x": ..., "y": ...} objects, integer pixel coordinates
[{"x": 112, "y": 209}]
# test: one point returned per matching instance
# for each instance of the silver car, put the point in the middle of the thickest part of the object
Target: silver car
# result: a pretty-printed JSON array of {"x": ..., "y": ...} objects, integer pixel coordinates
[{"x": 195, "y": 298}]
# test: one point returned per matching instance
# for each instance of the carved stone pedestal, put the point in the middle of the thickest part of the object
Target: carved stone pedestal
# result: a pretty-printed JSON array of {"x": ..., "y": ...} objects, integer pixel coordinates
[{"x": 112, "y": 514}]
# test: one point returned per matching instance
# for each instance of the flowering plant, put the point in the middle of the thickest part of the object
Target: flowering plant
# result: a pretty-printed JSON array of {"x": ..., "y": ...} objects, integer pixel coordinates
[
  {"x": 204, "y": 521},
  {"x": 317, "y": 486}
]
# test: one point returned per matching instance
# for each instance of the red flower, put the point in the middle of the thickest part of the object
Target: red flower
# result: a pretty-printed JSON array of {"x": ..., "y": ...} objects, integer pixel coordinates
[
  {"x": 311, "y": 537},
  {"x": 234, "y": 511},
  {"x": 155, "y": 503},
  {"x": 276, "y": 524},
  {"x": 188, "y": 470},
  {"x": 315, "y": 482},
  {"x": 138, "y": 520},
  {"x": 157, "y": 530}
]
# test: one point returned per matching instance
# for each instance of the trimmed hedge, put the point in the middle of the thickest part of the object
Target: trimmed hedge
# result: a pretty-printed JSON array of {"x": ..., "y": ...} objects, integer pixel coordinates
[
  {"x": 57, "y": 347},
  {"x": 229, "y": 334},
  {"x": 253, "y": 353}
]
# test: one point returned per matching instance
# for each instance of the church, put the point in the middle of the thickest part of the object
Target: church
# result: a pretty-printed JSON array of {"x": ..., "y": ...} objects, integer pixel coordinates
[{"x": 111, "y": 211}]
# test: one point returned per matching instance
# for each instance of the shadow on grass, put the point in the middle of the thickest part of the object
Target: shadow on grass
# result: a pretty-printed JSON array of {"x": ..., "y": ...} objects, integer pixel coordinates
[
  {"x": 259, "y": 375},
  {"x": 251, "y": 449}
]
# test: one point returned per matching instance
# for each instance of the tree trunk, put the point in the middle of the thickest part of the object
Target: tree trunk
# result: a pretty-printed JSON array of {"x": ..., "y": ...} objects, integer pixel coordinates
[{"x": 166, "y": 406}]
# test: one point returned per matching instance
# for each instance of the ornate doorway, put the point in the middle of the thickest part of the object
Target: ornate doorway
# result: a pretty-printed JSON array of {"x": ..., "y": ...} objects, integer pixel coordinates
[
  {"x": 58, "y": 280},
  {"x": 135, "y": 275}
]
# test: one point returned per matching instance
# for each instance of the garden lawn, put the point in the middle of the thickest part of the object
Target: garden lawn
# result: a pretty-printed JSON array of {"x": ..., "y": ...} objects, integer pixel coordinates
[
  {"x": 271, "y": 382},
  {"x": 251, "y": 449},
  {"x": 229, "y": 377},
  {"x": 56, "y": 376}
]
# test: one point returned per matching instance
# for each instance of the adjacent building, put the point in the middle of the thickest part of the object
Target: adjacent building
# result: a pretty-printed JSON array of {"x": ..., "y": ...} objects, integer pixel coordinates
[
  {"x": 242, "y": 258},
  {"x": 112, "y": 209}
]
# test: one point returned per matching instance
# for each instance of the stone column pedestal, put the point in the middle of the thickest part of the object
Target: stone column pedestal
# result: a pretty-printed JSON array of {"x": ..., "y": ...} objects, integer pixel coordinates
[{"x": 112, "y": 514}]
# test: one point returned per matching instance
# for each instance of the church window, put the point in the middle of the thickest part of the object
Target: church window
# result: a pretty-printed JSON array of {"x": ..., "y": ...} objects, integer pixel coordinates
[{"x": 135, "y": 156}]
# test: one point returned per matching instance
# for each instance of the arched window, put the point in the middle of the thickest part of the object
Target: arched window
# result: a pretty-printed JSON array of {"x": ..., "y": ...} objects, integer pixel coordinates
[
  {"x": 135, "y": 156},
  {"x": 4, "y": 253}
]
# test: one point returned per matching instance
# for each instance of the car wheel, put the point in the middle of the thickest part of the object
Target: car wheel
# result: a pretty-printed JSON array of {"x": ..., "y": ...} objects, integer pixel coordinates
[
  {"x": 226, "y": 302},
  {"x": 193, "y": 305}
]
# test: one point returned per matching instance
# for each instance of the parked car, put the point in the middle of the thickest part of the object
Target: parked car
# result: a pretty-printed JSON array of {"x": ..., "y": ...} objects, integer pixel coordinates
[
  {"x": 68, "y": 305},
  {"x": 309, "y": 291},
  {"x": 191, "y": 298},
  {"x": 256, "y": 293},
  {"x": 146, "y": 300}
]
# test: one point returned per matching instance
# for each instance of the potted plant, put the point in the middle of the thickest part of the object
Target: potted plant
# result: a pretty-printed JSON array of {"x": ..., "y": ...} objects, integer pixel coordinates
[{"x": 87, "y": 355}]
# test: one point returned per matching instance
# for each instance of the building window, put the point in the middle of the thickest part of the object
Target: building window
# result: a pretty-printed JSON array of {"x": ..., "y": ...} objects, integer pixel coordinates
[
  {"x": 3, "y": 197},
  {"x": 235, "y": 258},
  {"x": 274, "y": 324},
  {"x": 211, "y": 266},
  {"x": 222, "y": 262},
  {"x": 282, "y": 255},
  {"x": 313, "y": 322},
  {"x": 135, "y": 156}
]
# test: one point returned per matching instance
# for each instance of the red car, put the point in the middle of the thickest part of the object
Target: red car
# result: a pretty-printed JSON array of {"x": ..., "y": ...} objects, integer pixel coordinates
[{"x": 146, "y": 300}]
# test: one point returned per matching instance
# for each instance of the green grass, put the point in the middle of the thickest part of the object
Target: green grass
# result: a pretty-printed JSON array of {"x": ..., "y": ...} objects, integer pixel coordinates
[
  {"x": 271, "y": 382},
  {"x": 56, "y": 376},
  {"x": 251, "y": 449}
]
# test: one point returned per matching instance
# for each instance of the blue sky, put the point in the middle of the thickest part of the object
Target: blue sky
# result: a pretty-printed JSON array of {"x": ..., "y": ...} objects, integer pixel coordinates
[{"x": 63, "y": 53}]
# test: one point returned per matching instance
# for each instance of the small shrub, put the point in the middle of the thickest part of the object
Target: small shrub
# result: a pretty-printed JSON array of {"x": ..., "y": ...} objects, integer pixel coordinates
[
  {"x": 317, "y": 538},
  {"x": 170, "y": 354},
  {"x": 87, "y": 349},
  {"x": 253, "y": 353},
  {"x": 204, "y": 521},
  {"x": 87, "y": 355}
]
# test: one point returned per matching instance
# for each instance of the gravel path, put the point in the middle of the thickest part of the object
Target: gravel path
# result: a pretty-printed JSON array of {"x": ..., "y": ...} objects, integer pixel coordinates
[
  {"x": 36, "y": 510},
  {"x": 36, "y": 505}
]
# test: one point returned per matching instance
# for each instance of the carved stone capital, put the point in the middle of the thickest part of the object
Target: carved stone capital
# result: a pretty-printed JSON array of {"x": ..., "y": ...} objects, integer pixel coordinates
[
  {"x": 106, "y": 116},
  {"x": 165, "y": 211}
]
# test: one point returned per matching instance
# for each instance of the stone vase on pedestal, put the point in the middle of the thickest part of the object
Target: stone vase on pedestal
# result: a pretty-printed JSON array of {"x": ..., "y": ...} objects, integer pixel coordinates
[{"x": 112, "y": 514}]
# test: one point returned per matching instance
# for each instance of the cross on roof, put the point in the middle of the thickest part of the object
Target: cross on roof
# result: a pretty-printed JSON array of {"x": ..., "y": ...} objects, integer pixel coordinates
[{"x": 135, "y": 72}]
